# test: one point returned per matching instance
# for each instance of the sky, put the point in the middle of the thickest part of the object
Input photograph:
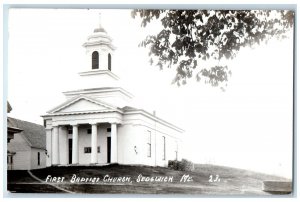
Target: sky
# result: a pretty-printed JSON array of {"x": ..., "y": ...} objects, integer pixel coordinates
[{"x": 247, "y": 126}]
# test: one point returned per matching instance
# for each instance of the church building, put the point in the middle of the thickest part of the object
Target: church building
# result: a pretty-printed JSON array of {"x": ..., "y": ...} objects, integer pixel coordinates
[{"x": 98, "y": 125}]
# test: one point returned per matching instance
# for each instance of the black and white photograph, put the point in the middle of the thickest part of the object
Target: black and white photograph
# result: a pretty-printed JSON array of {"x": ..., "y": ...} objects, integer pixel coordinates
[{"x": 158, "y": 101}]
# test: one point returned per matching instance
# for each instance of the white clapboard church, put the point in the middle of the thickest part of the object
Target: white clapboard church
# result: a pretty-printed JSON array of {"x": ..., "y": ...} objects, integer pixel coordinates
[{"x": 97, "y": 125}]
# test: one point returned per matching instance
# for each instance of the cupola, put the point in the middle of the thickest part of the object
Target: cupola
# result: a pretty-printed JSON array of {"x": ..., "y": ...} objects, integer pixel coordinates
[{"x": 99, "y": 56}]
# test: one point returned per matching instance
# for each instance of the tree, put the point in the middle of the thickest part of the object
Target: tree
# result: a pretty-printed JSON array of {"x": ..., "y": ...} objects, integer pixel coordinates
[{"x": 188, "y": 37}]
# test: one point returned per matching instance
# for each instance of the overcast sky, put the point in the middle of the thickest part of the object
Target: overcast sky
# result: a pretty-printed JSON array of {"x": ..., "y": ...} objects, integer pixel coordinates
[{"x": 247, "y": 126}]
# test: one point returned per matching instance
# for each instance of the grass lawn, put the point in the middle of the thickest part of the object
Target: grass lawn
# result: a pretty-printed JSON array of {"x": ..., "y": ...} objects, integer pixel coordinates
[{"x": 203, "y": 180}]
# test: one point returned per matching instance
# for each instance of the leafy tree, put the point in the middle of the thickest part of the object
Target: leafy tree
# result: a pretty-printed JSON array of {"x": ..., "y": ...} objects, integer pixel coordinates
[{"x": 188, "y": 37}]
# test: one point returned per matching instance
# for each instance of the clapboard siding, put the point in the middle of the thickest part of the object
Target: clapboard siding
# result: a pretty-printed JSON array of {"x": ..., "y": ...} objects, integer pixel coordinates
[
  {"x": 34, "y": 158},
  {"x": 21, "y": 160},
  {"x": 25, "y": 157}
]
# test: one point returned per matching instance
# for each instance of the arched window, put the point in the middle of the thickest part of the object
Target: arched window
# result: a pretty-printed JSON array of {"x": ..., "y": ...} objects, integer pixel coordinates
[
  {"x": 109, "y": 61},
  {"x": 95, "y": 60}
]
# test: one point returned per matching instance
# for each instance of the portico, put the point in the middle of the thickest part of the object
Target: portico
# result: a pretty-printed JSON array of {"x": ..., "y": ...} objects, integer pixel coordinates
[
  {"x": 81, "y": 130},
  {"x": 60, "y": 139}
]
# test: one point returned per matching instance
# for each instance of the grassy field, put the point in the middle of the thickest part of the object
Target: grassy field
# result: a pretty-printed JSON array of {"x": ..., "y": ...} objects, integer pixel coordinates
[{"x": 204, "y": 180}]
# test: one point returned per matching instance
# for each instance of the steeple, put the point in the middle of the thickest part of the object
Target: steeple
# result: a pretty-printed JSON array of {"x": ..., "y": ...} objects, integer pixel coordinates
[
  {"x": 98, "y": 79},
  {"x": 99, "y": 57}
]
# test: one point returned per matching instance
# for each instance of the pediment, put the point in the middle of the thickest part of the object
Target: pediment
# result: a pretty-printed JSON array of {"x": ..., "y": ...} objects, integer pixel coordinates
[{"x": 82, "y": 104}]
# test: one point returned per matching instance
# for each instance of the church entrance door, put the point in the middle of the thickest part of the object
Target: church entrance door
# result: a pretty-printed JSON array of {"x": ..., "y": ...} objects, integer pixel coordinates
[
  {"x": 108, "y": 149},
  {"x": 70, "y": 151}
]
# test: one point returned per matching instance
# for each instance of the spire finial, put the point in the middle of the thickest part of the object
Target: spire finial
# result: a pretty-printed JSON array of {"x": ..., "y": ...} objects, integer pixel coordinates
[
  {"x": 100, "y": 20},
  {"x": 100, "y": 27}
]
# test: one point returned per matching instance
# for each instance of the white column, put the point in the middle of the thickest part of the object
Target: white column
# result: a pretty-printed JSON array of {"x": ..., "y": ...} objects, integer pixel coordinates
[
  {"x": 48, "y": 147},
  {"x": 55, "y": 149},
  {"x": 114, "y": 143},
  {"x": 94, "y": 144},
  {"x": 75, "y": 145},
  {"x": 63, "y": 145}
]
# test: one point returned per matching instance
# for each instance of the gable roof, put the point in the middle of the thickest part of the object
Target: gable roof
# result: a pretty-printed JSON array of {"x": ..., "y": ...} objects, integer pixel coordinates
[
  {"x": 34, "y": 134},
  {"x": 11, "y": 126},
  {"x": 130, "y": 110},
  {"x": 83, "y": 97}
]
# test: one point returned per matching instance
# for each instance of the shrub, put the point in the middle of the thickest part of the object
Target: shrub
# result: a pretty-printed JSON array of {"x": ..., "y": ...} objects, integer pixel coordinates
[
  {"x": 183, "y": 165},
  {"x": 186, "y": 165},
  {"x": 173, "y": 164}
]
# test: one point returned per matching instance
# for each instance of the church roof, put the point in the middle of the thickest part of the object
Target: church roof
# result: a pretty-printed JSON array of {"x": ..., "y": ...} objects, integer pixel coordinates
[
  {"x": 130, "y": 109},
  {"x": 69, "y": 102},
  {"x": 34, "y": 134}
]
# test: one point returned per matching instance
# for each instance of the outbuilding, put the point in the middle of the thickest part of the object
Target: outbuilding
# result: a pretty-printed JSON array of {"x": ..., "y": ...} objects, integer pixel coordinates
[{"x": 27, "y": 150}]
